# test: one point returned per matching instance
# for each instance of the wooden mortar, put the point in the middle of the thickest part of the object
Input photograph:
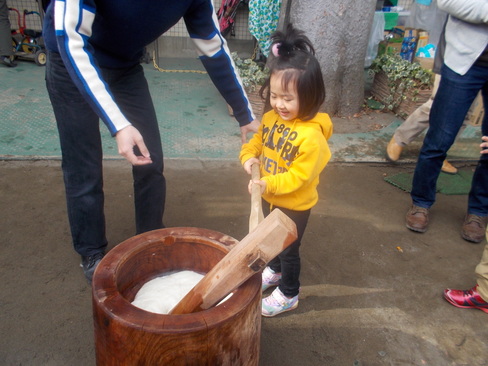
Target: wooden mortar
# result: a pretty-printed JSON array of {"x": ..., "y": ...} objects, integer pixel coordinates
[{"x": 227, "y": 334}]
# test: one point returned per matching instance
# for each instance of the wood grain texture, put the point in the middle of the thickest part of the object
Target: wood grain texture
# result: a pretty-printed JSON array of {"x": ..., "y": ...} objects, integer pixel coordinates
[
  {"x": 256, "y": 215},
  {"x": 275, "y": 233},
  {"x": 227, "y": 334}
]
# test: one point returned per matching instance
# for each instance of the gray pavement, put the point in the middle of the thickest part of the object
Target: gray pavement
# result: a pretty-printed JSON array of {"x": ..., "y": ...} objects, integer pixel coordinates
[{"x": 371, "y": 289}]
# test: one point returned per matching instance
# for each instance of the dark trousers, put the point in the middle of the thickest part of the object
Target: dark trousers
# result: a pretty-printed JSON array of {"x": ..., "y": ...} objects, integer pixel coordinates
[
  {"x": 452, "y": 101},
  {"x": 81, "y": 146},
  {"x": 288, "y": 261},
  {"x": 5, "y": 35}
]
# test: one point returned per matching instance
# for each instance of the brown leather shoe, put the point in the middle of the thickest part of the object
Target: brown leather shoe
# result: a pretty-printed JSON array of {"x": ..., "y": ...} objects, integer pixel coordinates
[
  {"x": 448, "y": 168},
  {"x": 474, "y": 228},
  {"x": 393, "y": 150},
  {"x": 417, "y": 219}
]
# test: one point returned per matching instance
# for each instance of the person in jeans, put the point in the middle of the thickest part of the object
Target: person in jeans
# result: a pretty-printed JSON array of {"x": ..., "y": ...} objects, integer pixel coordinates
[
  {"x": 476, "y": 297},
  {"x": 463, "y": 75},
  {"x": 418, "y": 121},
  {"x": 93, "y": 71}
]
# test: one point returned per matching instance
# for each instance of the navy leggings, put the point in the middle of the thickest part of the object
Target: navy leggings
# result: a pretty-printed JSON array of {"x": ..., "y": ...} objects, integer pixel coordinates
[{"x": 288, "y": 261}]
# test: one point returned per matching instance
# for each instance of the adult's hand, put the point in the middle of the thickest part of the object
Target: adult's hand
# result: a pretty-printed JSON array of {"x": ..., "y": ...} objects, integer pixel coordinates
[
  {"x": 251, "y": 127},
  {"x": 127, "y": 138},
  {"x": 484, "y": 145}
]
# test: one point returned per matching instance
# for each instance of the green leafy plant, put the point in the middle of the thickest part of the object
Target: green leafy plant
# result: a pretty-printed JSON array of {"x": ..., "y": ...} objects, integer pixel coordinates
[
  {"x": 404, "y": 78},
  {"x": 252, "y": 74}
]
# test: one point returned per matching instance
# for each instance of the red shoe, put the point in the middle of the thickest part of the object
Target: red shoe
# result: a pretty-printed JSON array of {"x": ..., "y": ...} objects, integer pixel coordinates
[{"x": 467, "y": 299}]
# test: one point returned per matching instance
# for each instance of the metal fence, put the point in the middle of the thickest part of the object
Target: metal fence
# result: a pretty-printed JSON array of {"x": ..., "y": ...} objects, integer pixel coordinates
[
  {"x": 32, "y": 21},
  {"x": 241, "y": 24}
]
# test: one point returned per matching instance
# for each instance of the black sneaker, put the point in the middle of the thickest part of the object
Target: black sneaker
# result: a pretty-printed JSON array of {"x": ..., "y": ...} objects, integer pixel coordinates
[
  {"x": 89, "y": 264},
  {"x": 7, "y": 61}
]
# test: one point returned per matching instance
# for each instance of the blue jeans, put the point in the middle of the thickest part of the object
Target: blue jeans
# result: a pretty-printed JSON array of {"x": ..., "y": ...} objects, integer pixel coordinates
[
  {"x": 81, "y": 147},
  {"x": 288, "y": 261},
  {"x": 454, "y": 97}
]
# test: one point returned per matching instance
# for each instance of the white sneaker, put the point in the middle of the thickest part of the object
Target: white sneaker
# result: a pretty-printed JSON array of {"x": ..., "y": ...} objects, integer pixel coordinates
[
  {"x": 269, "y": 279},
  {"x": 277, "y": 303}
]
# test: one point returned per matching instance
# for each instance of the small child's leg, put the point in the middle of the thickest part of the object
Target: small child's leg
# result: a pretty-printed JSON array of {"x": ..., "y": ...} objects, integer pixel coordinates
[{"x": 269, "y": 278}]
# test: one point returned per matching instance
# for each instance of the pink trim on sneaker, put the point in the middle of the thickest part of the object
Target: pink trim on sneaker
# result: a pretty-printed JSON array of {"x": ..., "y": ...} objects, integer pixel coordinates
[
  {"x": 269, "y": 279},
  {"x": 277, "y": 303}
]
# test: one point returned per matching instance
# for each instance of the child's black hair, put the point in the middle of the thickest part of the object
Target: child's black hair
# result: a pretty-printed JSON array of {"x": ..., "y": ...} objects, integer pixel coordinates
[{"x": 293, "y": 53}]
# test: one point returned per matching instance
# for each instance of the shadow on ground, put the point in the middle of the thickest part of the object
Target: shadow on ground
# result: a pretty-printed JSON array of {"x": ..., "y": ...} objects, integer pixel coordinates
[{"x": 371, "y": 289}]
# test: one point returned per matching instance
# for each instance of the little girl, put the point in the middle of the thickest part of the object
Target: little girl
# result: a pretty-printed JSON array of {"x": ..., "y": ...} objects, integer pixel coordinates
[{"x": 291, "y": 148}]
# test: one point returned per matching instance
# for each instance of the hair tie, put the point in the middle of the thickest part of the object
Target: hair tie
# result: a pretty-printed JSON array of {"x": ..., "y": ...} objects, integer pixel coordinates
[{"x": 274, "y": 49}]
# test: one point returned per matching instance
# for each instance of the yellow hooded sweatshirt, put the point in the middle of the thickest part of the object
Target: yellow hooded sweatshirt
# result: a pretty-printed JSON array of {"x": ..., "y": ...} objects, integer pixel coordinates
[{"x": 292, "y": 155}]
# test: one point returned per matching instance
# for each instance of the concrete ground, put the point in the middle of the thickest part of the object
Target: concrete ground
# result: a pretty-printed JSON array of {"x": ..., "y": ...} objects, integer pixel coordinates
[{"x": 371, "y": 289}]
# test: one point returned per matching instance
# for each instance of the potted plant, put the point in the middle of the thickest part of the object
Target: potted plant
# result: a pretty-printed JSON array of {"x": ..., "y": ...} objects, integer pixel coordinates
[
  {"x": 253, "y": 75},
  {"x": 400, "y": 85}
]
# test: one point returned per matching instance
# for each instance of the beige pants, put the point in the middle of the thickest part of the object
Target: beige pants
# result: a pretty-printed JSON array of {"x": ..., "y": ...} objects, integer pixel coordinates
[
  {"x": 482, "y": 273},
  {"x": 418, "y": 121}
]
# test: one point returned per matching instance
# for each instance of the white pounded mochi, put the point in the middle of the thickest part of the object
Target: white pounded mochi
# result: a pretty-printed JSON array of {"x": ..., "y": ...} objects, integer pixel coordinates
[{"x": 161, "y": 294}]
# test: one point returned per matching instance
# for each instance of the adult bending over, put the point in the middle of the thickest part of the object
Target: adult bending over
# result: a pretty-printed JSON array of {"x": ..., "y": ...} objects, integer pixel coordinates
[{"x": 93, "y": 71}]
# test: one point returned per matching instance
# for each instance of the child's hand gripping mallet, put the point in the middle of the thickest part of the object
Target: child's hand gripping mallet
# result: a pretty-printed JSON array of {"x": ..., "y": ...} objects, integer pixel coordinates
[{"x": 265, "y": 241}]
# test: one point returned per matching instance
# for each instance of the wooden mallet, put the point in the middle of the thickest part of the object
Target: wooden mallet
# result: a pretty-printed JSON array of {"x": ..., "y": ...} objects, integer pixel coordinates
[{"x": 266, "y": 240}]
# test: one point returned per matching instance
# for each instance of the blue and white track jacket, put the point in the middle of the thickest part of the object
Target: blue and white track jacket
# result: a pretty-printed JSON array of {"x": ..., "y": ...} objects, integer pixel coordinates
[{"x": 90, "y": 34}]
